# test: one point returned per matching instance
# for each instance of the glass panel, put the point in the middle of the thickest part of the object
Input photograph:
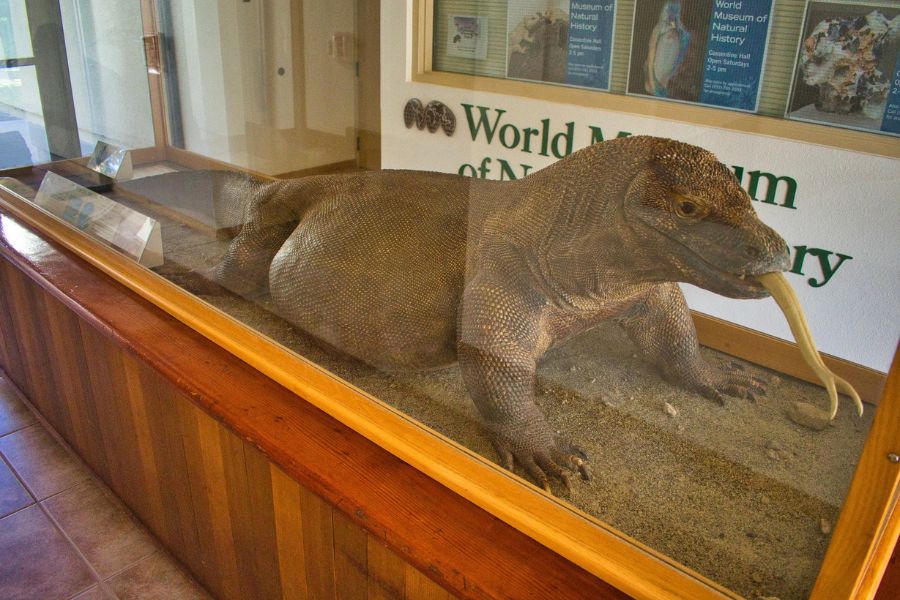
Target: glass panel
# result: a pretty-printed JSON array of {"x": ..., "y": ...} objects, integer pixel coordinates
[
  {"x": 108, "y": 73},
  {"x": 267, "y": 86},
  {"x": 523, "y": 288},
  {"x": 93, "y": 87},
  {"x": 740, "y": 56}
]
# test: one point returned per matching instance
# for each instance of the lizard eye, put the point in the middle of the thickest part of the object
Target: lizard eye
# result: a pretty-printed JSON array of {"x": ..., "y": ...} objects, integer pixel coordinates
[{"x": 686, "y": 208}]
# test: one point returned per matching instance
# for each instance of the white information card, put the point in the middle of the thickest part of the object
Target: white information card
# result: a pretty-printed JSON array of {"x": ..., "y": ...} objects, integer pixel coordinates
[{"x": 133, "y": 233}]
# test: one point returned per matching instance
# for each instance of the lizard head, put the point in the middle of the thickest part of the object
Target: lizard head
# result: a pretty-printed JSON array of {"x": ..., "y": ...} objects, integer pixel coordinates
[{"x": 688, "y": 210}]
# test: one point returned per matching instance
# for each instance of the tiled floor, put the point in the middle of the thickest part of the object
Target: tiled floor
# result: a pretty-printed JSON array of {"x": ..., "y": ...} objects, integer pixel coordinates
[{"x": 62, "y": 532}]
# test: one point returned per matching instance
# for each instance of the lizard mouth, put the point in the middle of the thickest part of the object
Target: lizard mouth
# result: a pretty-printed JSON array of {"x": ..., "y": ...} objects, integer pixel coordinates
[
  {"x": 716, "y": 279},
  {"x": 721, "y": 281},
  {"x": 694, "y": 268}
]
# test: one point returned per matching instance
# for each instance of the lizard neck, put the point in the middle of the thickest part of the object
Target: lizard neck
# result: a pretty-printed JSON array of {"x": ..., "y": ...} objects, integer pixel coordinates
[{"x": 582, "y": 250}]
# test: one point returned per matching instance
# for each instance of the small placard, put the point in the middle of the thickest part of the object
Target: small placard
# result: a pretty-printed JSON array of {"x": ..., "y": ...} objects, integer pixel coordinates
[
  {"x": 135, "y": 234},
  {"x": 112, "y": 161},
  {"x": 561, "y": 41},
  {"x": 468, "y": 37}
]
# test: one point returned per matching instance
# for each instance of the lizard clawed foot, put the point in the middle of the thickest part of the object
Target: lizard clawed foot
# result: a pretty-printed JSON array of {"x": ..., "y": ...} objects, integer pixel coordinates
[
  {"x": 542, "y": 456},
  {"x": 732, "y": 381}
]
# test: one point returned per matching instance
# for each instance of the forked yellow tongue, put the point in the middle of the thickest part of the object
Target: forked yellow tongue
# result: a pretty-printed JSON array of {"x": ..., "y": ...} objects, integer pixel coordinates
[{"x": 787, "y": 300}]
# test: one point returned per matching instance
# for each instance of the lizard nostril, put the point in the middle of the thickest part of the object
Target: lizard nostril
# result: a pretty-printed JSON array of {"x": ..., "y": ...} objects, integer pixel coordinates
[{"x": 752, "y": 252}]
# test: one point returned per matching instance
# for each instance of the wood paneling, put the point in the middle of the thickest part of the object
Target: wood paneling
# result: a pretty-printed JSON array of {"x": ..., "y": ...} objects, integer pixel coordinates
[
  {"x": 258, "y": 493},
  {"x": 244, "y": 527}
]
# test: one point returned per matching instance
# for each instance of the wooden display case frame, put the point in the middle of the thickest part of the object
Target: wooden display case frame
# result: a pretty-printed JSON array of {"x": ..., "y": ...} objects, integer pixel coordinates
[{"x": 860, "y": 547}]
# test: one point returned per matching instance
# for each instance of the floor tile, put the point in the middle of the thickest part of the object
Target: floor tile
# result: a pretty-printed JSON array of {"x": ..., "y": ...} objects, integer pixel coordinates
[
  {"x": 12, "y": 495},
  {"x": 104, "y": 532},
  {"x": 38, "y": 562},
  {"x": 43, "y": 465},
  {"x": 14, "y": 415},
  {"x": 155, "y": 577}
]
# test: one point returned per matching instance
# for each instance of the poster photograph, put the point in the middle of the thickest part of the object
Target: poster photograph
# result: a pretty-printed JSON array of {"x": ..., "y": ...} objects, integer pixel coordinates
[
  {"x": 468, "y": 37},
  {"x": 561, "y": 41},
  {"x": 848, "y": 66},
  {"x": 709, "y": 52}
]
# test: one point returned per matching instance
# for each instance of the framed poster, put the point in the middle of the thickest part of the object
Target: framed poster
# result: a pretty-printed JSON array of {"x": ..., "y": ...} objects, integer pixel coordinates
[
  {"x": 848, "y": 66},
  {"x": 561, "y": 41},
  {"x": 709, "y": 52}
]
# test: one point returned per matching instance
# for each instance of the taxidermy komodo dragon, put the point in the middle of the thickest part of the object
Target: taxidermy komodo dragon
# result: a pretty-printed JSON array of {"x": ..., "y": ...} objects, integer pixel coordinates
[{"x": 414, "y": 270}]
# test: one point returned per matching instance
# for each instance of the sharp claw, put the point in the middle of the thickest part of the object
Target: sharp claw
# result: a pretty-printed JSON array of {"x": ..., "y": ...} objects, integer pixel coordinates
[
  {"x": 585, "y": 472},
  {"x": 546, "y": 486},
  {"x": 506, "y": 457},
  {"x": 582, "y": 453},
  {"x": 580, "y": 466}
]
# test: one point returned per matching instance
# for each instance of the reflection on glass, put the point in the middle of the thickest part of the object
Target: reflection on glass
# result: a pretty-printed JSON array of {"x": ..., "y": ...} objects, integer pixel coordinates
[
  {"x": 283, "y": 76},
  {"x": 93, "y": 89},
  {"x": 108, "y": 73},
  {"x": 15, "y": 39},
  {"x": 23, "y": 139}
]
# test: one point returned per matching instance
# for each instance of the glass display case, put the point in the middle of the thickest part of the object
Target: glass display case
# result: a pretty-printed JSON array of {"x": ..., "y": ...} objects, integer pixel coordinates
[{"x": 524, "y": 245}]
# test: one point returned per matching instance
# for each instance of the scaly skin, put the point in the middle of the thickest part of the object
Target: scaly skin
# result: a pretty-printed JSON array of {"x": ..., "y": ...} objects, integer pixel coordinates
[{"x": 413, "y": 270}]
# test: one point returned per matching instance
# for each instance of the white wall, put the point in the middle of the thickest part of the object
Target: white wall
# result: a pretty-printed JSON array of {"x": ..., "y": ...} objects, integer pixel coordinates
[
  {"x": 330, "y": 97},
  {"x": 847, "y": 202}
]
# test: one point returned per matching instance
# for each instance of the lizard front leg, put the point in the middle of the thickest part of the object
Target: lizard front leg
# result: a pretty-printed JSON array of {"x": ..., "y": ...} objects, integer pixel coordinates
[
  {"x": 500, "y": 341},
  {"x": 662, "y": 327}
]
